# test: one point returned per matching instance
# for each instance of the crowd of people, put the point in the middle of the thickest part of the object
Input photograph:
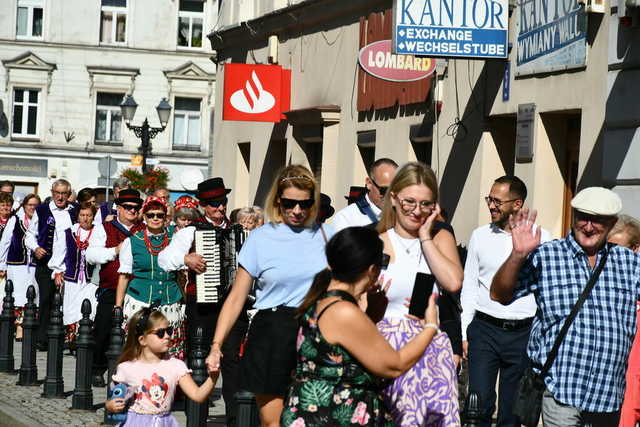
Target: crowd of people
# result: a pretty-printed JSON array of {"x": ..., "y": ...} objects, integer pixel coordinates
[{"x": 361, "y": 316}]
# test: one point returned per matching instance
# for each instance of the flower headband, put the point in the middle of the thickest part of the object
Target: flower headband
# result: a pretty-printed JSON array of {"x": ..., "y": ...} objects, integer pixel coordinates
[
  {"x": 154, "y": 200},
  {"x": 185, "y": 202}
]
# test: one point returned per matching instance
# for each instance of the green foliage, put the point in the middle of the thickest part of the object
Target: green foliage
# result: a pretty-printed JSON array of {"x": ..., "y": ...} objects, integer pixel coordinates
[
  {"x": 316, "y": 393},
  {"x": 155, "y": 178}
]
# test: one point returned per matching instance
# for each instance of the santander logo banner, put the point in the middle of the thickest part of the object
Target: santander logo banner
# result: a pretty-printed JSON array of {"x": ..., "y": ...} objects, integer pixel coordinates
[{"x": 256, "y": 93}]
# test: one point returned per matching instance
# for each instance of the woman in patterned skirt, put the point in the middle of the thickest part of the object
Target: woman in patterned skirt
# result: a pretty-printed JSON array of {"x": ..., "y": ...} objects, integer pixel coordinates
[
  {"x": 142, "y": 282},
  {"x": 341, "y": 354},
  {"x": 427, "y": 395}
]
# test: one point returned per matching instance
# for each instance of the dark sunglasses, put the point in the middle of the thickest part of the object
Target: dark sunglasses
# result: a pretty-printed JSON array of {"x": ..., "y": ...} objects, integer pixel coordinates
[
  {"x": 215, "y": 203},
  {"x": 291, "y": 203},
  {"x": 131, "y": 208},
  {"x": 382, "y": 190},
  {"x": 155, "y": 215},
  {"x": 161, "y": 331},
  {"x": 594, "y": 219}
]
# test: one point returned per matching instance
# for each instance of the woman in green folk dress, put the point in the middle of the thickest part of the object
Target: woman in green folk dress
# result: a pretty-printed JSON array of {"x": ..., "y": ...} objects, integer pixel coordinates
[
  {"x": 341, "y": 354},
  {"x": 142, "y": 282}
]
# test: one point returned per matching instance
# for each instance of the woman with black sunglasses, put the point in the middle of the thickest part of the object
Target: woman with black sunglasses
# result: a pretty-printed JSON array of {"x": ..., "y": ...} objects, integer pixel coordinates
[
  {"x": 283, "y": 256},
  {"x": 142, "y": 282}
]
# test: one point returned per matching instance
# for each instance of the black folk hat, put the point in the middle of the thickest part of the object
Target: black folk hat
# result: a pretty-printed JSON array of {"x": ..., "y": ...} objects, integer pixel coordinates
[
  {"x": 212, "y": 188},
  {"x": 355, "y": 193},
  {"x": 326, "y": 211},
  {"x": 128, "y": 195}
]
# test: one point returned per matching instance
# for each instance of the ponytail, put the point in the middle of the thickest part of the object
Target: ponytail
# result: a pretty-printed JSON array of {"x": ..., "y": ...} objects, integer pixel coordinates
[{"x": 318, "y": 287}]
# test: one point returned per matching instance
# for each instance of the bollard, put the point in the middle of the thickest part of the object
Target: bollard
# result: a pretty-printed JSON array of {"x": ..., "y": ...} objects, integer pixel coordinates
[
  {"x": 197, "y": 412},
  {"x": 472, "y": 413},
  {"x": 53, "y": 381},
  {"x": 7, "y": 329},
  {"x": 83, "y": 394},
  {"x": 114, "y": 350},
  {"x": 247, "y": 409},
  {"x": 28, "y": 369}
]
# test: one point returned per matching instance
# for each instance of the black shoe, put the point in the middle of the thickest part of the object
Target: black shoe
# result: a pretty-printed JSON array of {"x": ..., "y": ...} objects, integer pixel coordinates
[
  {"x": 98, "y": 381},
  {"x": 42, "y": 346}
]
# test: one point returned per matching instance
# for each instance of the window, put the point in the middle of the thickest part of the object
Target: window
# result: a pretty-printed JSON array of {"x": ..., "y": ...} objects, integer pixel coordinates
[
  {"x": 25, "y": 112},
  {"x": 30, "y": 18},
  {"x": 190, "y": 19},
  {"x": 186, "y": 124},
  {"x": 113, "y": 22},
  {"x": 109, "y": 117}
]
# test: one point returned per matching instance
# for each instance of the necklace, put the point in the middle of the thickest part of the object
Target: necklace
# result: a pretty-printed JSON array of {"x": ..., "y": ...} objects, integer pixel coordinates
[
  {"x": 82, "y": 244},
  {"x": 407, "y": 249},
  {"x": 155, "y": 249}
]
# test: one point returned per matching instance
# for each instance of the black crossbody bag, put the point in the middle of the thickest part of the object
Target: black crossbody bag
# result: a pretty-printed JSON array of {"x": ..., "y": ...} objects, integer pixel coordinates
[{"x": 528, "y": 403}]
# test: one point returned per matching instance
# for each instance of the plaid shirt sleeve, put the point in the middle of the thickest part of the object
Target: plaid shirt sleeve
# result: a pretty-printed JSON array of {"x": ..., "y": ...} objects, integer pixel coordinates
[{"x": 528, "y": 276}]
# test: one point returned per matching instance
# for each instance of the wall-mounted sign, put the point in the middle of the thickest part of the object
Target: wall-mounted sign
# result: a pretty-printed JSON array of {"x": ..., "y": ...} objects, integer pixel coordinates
[
  {"x": 551, "y": 36},
  {"x": 378, "y": 60},
  {"x": 23, "y": 167},
  {"x": 451, "y": 28},
  {"x": 256, "y": 93},
  {"x": 525, "y": 132}
]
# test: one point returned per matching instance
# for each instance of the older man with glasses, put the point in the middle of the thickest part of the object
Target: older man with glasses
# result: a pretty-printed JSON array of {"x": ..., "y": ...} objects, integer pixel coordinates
[
  {"x": 366, "y": 210},
  {"x": 584, "y": 383},
  {"x": 49, "y": 218},
  {"x": 104, "y": 247}
]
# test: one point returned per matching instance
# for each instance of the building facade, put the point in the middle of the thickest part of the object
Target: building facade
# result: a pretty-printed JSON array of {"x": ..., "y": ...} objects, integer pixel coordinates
[
  {"x": 66, "y": 66},
  {"x": 559, "y": 112}
]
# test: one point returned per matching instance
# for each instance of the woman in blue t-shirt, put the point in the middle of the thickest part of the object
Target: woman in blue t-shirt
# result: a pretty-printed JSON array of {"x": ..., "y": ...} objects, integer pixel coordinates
[{"x": 283, "y": 256}]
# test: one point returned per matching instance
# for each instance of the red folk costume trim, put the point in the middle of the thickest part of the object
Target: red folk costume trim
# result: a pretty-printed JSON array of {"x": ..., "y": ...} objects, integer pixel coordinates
[
  {"x": 155, "y": 249},
  {"x": 82, "y": 244},
  {"x": 212, "y": 194}
]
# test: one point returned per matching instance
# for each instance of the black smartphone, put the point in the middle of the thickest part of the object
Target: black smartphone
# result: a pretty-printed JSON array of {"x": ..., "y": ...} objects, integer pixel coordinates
[{"x": 422, "y": 290}]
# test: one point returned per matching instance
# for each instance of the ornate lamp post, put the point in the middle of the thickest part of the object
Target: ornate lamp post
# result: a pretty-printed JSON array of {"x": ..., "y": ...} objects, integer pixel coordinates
[{"x": 145, "y": 132}]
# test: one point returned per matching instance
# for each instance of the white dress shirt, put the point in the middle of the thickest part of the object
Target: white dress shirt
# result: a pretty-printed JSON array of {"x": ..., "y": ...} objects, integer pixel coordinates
[
  {"x": 171, "y": 258},
  {"x": 489, "y": 247},
  {"x": 352, "y": 217},
  {"x": 62, "y": 218},
  {"x": 97, "y": 252}
]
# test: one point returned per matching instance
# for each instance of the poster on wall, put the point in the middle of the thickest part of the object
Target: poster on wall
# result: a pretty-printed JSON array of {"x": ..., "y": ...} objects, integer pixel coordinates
[
  {"x": 451, "y": 28},
  {"x": 551, "y": 36}
]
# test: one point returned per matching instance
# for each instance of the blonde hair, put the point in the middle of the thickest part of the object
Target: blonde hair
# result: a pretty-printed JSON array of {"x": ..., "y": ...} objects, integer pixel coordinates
[
  {"x": 630, "y": 227},
  {"x": 296, "y": 176},
  {"x": 132, "y": 348},
  {"x": 412, "y": 173}
]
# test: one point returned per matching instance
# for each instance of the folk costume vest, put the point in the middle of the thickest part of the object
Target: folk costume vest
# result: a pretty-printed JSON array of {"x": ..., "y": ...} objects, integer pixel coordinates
[
  {"x": 18, "y": 254},
  {"x": 150, "y": 283},
  {"x": 116, "y": 233},
  {"x": 75, "y": 260},
  {"x": 47, "y": 228}
]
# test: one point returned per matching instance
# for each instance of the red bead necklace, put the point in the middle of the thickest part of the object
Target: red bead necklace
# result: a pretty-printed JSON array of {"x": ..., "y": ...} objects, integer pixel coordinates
[
  {"x": 155, "y": 249},
  {"x": 82, "y": 244}
]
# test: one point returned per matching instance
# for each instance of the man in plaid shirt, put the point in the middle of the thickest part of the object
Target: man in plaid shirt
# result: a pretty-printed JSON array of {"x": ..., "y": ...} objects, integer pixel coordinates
[{"x": 586, "y": 382}]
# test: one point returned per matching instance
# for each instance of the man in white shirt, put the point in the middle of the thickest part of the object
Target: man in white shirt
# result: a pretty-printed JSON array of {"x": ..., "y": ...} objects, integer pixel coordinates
[
  {"x": 367, "y": 210},
  {"x": 495, "y": 336},
  {"x": 9, "y": 187},
  {"x": 48, "y": 219}
]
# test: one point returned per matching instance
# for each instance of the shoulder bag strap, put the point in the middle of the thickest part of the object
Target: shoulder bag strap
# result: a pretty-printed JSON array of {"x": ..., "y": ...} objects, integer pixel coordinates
[
  {"x": 324, "y": 235},
  {"x": 365, "y": 208},
  {"x": 574, "y": 312}
]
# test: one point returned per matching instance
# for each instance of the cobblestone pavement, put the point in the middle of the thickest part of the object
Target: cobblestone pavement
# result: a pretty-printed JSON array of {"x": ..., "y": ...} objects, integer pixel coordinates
[{"x": 24, "y": 406}]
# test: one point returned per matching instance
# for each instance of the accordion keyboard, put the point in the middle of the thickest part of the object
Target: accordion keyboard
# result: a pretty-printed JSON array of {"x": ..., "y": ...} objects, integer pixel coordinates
[{"x": 208, "y": 283}]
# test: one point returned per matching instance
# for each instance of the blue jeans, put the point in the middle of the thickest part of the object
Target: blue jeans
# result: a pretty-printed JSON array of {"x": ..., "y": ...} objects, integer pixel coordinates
[{"x": 493, "y": 350}]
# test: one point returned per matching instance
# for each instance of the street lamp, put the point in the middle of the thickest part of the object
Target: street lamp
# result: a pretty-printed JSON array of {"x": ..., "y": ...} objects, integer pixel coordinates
[{"x": 145, "y": 132}]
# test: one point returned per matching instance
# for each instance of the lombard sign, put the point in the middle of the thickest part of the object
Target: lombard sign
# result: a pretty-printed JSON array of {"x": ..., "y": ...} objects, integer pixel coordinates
[
  {"x": 451, "y": 28},
  {"x": 378, "y": 60},
  {"x": 551, "y": 36}
]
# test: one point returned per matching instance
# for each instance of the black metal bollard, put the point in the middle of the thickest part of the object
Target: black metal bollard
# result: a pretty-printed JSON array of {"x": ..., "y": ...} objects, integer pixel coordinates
[
  {"x": 28, "y": 369},
  {"x": 53, "y": 381},
  {"x": 114, "y": 350},
  {"x": 472, "y": 412},
  {"x": 83, "y": 394},
  {"x": 7, "y": 329},
  {"x": 197, "y": 412},
  {"x": 247, "y": 409}
]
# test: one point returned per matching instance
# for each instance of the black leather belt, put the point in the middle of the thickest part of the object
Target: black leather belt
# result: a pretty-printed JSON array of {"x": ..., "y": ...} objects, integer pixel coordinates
[{"x": 507, "y": 325}]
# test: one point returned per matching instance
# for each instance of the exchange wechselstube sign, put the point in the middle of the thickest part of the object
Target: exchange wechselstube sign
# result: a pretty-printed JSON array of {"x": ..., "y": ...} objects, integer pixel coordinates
[
  {"x": 456, "y": 28},
  {"x": 551, "y": 36}
]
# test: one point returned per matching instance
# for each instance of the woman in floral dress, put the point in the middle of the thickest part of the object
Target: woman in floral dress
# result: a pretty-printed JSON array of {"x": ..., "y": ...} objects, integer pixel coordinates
[{"x": 341, "y": 354}]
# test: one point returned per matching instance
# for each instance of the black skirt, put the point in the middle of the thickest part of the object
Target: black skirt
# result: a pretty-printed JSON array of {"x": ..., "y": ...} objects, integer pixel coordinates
[{"x": 269, "y": 358}]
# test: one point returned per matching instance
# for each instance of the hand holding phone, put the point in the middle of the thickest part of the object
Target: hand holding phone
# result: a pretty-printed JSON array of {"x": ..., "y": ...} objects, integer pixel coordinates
[{"x": 422, "y": 290}]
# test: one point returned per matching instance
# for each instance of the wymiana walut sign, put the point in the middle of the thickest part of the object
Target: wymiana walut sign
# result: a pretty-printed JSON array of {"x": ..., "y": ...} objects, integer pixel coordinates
[
  {"x": 551, "y": 36},
  {"x": 451, "y": 28},
  {"x": 378, "y": 60}
]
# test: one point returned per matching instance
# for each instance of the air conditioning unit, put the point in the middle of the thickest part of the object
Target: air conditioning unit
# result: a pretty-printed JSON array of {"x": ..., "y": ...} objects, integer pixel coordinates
[{"x": 593, "y": 6}]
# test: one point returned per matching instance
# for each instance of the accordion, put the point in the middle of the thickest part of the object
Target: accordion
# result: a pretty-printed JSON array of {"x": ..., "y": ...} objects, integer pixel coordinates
[{"x": 219, "y": 247}]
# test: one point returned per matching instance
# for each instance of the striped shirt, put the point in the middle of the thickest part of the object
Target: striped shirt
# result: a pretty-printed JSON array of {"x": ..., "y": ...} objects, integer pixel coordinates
[{"x": 589, "y": 372}]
